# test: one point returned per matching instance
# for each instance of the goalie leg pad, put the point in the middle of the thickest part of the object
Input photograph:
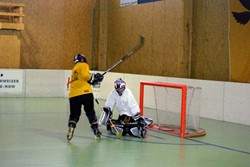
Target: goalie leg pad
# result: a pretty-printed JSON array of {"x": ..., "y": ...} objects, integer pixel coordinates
[
  {"x": 119, "y": 128},
  {"x": 148, "y": 121},
  {"x": 133, "y": 129},
  {"x": 138, "y": 132}
]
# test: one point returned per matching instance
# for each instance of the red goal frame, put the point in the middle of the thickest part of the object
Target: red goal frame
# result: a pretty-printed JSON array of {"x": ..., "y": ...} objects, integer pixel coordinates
[{"x": 183, "y": 101}]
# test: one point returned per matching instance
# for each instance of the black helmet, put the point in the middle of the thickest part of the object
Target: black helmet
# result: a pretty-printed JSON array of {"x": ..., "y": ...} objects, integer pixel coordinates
[
  {"x": 80, "y": 58},
  {"x": 120, "y": 86}
]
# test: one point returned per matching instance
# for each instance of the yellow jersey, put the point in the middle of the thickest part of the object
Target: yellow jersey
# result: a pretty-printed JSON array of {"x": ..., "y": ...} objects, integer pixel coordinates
[{"x": 79, "y": 80}]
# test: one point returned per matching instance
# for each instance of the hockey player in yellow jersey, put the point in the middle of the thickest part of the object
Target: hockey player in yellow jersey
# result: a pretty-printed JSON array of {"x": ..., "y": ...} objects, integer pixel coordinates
[{"x": 81, "y": 95}]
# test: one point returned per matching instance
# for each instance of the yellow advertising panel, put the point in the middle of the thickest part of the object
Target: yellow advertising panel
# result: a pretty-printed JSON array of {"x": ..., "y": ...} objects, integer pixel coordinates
[{"x": 240, "y": 40}]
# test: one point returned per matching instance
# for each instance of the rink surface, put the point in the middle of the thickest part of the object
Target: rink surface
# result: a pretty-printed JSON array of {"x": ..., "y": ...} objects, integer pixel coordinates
[{"x": 33, "y": 133}]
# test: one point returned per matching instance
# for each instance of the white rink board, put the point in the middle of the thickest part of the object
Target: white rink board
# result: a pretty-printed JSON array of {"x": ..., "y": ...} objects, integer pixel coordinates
[
  {"x": 11, "y": 82},
  {"x": 237, "y": 103},
  {"x": 225, "y": 101},
  {"x": 45, "y": 83}
]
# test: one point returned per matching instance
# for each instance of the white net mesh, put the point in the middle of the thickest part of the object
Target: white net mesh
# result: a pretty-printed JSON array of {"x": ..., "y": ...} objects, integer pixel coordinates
[
  {"x": 193, "y": 108},
  {"x": 168, "y": 103}
]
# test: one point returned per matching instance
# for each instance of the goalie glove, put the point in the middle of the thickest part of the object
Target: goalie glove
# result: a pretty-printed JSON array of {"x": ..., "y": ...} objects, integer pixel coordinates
[
  {"x": 108, "y": 111},
  {"x": 95, "y": 79},
  {"x": 105, "y": 116}
]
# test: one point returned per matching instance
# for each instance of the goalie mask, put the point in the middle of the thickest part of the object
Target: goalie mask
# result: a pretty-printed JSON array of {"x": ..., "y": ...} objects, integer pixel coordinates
[
  {"x": 80, "y": 58},
  {"x": 120, "y": 86}
]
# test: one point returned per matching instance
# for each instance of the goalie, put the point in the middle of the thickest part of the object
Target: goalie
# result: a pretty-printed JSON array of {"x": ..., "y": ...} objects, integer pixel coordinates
[{"x": 129, "y": 120}]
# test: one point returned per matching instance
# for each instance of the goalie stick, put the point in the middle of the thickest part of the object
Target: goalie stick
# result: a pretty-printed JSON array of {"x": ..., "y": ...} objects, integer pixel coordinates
[
  {"x": 117, "y": 132},
  {"x": 132, "y": 51}
]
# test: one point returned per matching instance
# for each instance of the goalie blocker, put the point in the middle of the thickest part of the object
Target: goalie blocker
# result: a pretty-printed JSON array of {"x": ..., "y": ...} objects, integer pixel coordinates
[{"x": 134, "y": 126}]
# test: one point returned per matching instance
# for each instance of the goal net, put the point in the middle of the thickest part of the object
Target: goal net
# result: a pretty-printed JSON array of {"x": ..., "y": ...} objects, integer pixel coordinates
[{"x": 176, "y": 107}]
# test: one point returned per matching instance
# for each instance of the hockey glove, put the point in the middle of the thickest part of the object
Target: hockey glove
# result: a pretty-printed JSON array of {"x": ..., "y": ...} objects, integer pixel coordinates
[
  {"x": 98, "y": 77},
  {"x": 108, "y": 111},
  {"x": 95, "y": 79}
]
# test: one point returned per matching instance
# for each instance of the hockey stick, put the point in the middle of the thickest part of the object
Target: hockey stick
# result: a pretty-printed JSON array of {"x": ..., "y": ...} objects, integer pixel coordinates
[
  {"x": 117, "y": 132},
  {"x": 132, "y": 51}
]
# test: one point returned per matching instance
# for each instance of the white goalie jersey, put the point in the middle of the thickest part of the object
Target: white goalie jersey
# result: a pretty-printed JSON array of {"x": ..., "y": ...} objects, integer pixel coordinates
[{"x": 125, "y": 103}]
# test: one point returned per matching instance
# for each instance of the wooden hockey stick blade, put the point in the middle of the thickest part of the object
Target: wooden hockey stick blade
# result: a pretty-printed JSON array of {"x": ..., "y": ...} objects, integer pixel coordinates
[
  {"x": 117, "y": 132},
  {"x": 137, "y": 47},
  {"x": 129, "y": 53}
]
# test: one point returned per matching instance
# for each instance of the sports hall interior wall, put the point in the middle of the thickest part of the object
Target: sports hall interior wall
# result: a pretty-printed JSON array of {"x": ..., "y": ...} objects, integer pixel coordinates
[
  {"x": 54, "y": 30},
  {"x": 10, "y": 45},
  {"x": 210, "y": 45},
  {"x": 163, "y": 53},
  {"x": 186, "y": 39}
]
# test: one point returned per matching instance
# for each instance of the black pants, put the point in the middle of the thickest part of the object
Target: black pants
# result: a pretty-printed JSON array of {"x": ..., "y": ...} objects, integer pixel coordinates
[{"x": 76, "y": 103}]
